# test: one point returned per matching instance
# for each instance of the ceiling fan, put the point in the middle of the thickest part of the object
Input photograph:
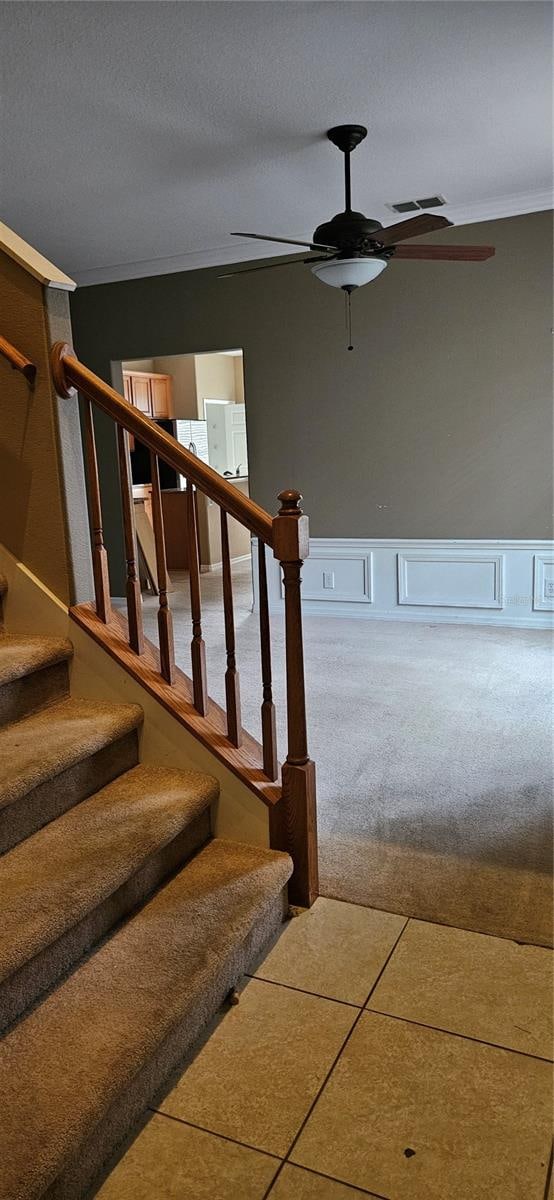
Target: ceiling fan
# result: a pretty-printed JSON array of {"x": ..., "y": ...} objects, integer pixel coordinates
[{"x": 351, "y": 249}]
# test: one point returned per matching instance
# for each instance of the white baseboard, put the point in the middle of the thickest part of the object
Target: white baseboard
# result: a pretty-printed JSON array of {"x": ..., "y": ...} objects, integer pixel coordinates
[
  {"x": 218, "y": 566},
  {"x": 461, "y": 581}
]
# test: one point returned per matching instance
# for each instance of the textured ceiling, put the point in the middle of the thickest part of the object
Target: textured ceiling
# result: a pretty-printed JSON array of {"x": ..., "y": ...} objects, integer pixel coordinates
[{"x": 135, "y": 136}]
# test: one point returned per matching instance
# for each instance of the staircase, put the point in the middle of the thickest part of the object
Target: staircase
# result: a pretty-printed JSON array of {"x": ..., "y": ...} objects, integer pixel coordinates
[{"x": 124, "y": 924}]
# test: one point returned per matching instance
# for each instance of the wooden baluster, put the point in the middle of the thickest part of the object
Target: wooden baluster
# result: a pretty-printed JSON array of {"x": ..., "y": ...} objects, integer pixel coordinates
[
  {"x": 196, "y": 518},
  {"x": 232, "y": 685},
  {"x": 165, "y": 619},
  {"x": 292, "y": 821},
  {"x": 197, "y": 648},
  {"x": 134, "y": 599},
  {"x": 99, "y": 555},
  {"x": 269, "y": 736}
]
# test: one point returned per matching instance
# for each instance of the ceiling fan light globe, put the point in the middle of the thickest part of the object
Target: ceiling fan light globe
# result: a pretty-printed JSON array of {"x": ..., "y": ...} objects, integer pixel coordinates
[{"x": 349, "y": 272}]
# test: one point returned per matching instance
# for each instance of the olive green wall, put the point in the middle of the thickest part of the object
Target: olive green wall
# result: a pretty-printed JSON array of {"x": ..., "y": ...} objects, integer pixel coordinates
[{"x": 437, "y": 425}]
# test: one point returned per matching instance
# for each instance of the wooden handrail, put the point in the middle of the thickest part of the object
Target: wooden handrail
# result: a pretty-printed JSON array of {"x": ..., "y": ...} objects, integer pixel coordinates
[
  {"x": 18, "y": 360},
  {"x": 67, "y": 371}
]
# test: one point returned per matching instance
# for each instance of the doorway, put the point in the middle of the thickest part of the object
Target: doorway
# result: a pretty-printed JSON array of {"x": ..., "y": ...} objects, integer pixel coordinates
[{"x": 200, "y": 400}]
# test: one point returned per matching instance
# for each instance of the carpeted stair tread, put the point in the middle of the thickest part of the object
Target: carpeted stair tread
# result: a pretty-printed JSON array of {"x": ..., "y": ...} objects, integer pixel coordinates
[
  {"x": 53, "y": 879},
  {"x": 66, "y": 1065},
  {"x": 21, "y": 654},
  {"x": 40, "y": 747}
]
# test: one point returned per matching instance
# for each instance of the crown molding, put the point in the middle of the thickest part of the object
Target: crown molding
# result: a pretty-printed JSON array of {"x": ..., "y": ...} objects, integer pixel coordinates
[
  {"x": 493, "y": 209},
  {"x": 193, "y": 260},
  {"x": 498, "y": 207}
]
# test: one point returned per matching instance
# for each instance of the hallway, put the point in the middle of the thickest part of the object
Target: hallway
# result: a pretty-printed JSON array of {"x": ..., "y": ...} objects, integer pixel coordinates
[{"x": 433, "y": 753}]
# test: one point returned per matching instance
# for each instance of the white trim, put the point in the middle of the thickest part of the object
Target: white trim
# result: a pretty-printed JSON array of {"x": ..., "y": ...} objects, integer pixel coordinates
[
  {"x": 506, "y": 592},
  {"x": 491, "y": 209},
  {"x": 192, "y": 260},
  {"x": 32, "y": 261},
  {"x": 343, "y": 555},
  {"x": 534, "y": 544},
  {"x": 431, "y": 617},
  {"x": 462, "y": 600},
  {"x": 218, "y": 566},
  {"x": 540, "y": 600},
  {"x": 496, "y": 208}
]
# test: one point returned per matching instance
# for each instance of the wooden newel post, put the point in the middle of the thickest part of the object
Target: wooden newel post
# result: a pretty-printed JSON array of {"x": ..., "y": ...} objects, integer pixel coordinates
[{"x": 293, "y": 825}]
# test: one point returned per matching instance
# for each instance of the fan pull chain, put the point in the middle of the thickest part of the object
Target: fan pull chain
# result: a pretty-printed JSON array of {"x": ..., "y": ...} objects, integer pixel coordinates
[{"x": 348, "y": 317}]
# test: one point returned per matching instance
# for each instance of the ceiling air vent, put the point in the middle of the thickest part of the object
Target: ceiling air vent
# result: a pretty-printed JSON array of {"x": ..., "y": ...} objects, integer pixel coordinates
[
  {"x": 416, "y": 205},
  {"x": 406, "y": 206}
]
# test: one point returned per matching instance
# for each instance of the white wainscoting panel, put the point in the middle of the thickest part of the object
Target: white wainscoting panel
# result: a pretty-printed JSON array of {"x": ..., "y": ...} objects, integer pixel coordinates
[
  {"x": 479, "y": 582},
  {"x": 543, "y": 592},
  {"x": 346, "y": 576},
  {"x": 450, "y": 580}
]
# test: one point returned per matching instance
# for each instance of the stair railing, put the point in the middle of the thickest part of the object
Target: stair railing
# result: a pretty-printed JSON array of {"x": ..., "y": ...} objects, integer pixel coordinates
[
  {"x": 292, "y": 812},
  {"x": 18, "y": 361}
]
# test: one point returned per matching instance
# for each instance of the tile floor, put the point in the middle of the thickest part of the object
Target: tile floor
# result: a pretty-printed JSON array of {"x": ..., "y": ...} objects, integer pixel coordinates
[{"x": 369, "y": 1055}]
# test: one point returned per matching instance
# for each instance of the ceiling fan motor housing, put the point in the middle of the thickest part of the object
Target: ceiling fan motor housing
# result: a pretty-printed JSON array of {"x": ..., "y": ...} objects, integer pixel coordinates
[{"x": 351, "y": 232}]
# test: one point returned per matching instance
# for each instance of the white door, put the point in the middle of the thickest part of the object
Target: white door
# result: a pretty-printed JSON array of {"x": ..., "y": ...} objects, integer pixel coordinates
[
  {"x": 220, "y": 450},
  {"x": 239, "y": 450},
  {"x": 227, "y": 448}
]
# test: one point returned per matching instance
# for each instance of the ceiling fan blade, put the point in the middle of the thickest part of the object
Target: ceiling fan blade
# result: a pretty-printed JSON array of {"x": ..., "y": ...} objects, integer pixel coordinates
[
  {"x": 446, "y": 253},
  {"x": 415, "y": 227},
  {"x": 262, "y": 237},
  {"x": 281, "y": 262}
]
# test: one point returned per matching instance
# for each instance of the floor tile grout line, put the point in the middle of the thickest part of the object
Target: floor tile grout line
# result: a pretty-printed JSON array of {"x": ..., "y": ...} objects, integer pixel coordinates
[
  {"x": 466, "y": 1037},
  {"x": 355, "y": 1187},
  {"x": 305, "y": 991},
  {"x": 387, "y": 961},
  {"x": 267, "y": 1154},
  {"x": 316, "y": 1098},
  {"x": 335, "y": 1061},
  {"x": 158, "y": 1112},
  {"x": 247, "y": 1145},
  {"x": 549, "y": 1172}
]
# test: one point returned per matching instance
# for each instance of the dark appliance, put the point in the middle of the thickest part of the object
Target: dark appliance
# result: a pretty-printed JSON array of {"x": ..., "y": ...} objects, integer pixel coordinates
[{"x": 140, "y": 461}]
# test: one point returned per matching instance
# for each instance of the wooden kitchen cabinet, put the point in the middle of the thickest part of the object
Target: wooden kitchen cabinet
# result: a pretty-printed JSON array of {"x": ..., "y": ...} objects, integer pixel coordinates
[
  {"x": 160, "y": 395},
  {"x": 140, "y": 394},
  {"x": 150, "y": 393}
]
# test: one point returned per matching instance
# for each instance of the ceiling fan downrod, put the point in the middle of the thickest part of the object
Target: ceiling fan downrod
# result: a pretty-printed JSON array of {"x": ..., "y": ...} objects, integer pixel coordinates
[{"x": 346, "y": 138}]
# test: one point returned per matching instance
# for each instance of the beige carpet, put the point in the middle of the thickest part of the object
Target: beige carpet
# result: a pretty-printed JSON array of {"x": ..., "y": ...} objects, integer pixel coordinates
[{"x": 434, "y": 757}]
